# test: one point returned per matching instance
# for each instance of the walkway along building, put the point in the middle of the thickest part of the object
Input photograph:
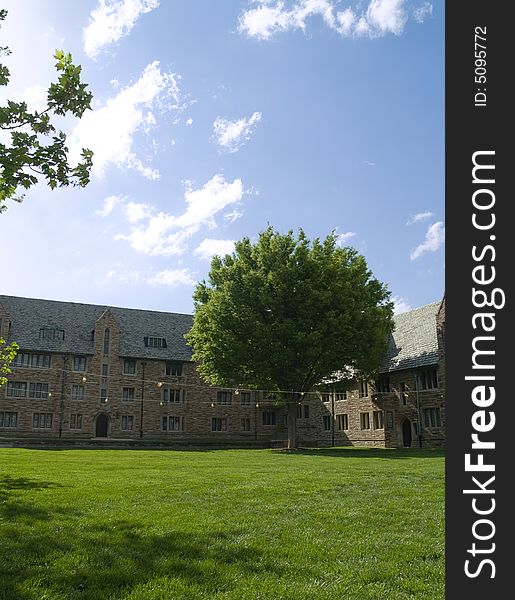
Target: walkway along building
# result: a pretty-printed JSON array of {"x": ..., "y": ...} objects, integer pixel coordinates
[{"x": 86, "y": 374}]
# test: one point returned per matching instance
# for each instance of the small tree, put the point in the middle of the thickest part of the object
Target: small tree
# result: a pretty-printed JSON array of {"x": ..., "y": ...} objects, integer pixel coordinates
[
  {"x": 27, "y": 157},
  {"x": 7, "y": 354},
  {"x": 285, "y": 313}
]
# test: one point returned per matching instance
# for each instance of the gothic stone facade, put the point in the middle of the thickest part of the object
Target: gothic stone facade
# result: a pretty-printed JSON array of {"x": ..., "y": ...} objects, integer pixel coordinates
[{"x": 87, "y": 373}]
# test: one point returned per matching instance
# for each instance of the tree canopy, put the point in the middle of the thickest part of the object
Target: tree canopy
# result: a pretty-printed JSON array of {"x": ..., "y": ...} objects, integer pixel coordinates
[
  {"x": 284, "y": 313},
  {"x": 36, "y": 148},
  {"x": 7, "y": 354}
]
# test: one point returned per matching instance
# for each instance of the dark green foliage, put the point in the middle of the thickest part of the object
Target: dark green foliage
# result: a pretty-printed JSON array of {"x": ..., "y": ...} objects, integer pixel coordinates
[
  {"x": 37, "y": 149},
  {"x": 7, "y": 354},
  {"x": 285, "y": 313}
]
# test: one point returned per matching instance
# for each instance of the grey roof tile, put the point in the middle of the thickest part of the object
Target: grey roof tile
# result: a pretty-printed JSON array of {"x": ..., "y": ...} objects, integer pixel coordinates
[
  {"x": 28, "y": 315},
  {"x": 414, "y": 342}
]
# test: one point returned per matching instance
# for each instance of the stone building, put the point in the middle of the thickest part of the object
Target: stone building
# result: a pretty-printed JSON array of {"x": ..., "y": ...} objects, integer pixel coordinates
[{"x": 87, "y": 374}]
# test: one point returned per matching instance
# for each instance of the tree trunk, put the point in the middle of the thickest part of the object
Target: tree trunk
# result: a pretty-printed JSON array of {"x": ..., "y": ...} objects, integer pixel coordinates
[{"x": 292, "y": 423}]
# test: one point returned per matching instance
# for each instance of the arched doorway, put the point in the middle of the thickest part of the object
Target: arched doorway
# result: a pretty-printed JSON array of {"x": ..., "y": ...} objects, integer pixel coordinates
[
  {"x": 406, "y": 433},
  {"x": 102, "y": 425}
]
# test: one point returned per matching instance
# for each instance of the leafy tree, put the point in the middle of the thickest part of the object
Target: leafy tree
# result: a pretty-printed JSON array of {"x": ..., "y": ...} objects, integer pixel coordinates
[
  {"x": 7, "y": 354},
  {"x": 283, "y": 314},
  {"x": 27, "y": 157}
]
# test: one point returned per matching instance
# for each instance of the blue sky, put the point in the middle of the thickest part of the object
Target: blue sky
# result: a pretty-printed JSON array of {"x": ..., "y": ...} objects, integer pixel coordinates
[{"x": 211, "y": 120}]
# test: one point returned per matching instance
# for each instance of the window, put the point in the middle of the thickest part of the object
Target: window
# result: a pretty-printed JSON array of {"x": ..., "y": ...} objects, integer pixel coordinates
[
  {"x": 129, "y": 366},
  {"x": 174, "y": 369},
  {"x": 270, "y": 396},
  {"x": 245, "y": 398},
  {"x": 363, "y": 389},
  {"x": 170, "y": 423},
  {"x": 327, "y": 422},
  {"x": 79, "y": 363},
  {"x": 34, "y": 361},
  {"x": 224, "y": 397},
  {"x": 154, "y": 342},
  {"x": 389, "y": 419},
  {"x": 77, "y": 392},
  {"x": 107, "y": 335},
  {"x": 427, "y": 380},
  {"x": 40, "y": 361},
  {"x": 173, "y": 395},
  {"x": 42, "y": 420},
  {"x": 75, "y": 421},
  {"x": 127, "y": 422},
  {"x": 432, "y": 417},
  {"x": 105, "y": 370},
  {"x": 404, "y": 394},
  {"x": 343, "y": 422},
  {"x": 51, "y": 334},
  {"x": 302, "y": 411},
  {"x": 21, "y": 360},
  {"x": 364, "y": 419},
  {"x": 268, "y": 417},
  {"x": 8, "y": 419},
  {"x": 245, "y": 424},
  {"x": 218, "y": 424},
  {"x": 378, "y": 419},
  {"x": 326, "y": 397},
  {"x": 16, "y": 389},
  {"x": 382, "y": 384},
  {"x": 128, "y": 394},
  {"x": 103, "y": 395},
  {"x": 38, "y": 390},
  {"x": 341, "y": 396}
]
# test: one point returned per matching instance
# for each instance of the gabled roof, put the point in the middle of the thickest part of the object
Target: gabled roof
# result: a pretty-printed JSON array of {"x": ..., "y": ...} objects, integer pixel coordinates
[
  {"x": 29, "y": 315},
  {"x": 414, "y": 342}
]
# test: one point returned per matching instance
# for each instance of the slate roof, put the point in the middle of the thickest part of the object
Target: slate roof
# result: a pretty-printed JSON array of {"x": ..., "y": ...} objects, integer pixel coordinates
[
  {"x": 414, "y": 341},
  {"x": 412, "y": 344},
  {"x": 28, "y": 315}
]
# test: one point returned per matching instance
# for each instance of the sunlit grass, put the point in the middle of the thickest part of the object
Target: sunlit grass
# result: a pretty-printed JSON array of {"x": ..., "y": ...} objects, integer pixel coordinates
[{"x": 224, "y": 524}]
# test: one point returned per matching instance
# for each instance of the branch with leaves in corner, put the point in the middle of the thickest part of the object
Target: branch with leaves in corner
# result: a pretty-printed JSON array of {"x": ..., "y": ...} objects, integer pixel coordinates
[
  {"x": 36, "y": 148},
  {"x": 7, "y": 354}
]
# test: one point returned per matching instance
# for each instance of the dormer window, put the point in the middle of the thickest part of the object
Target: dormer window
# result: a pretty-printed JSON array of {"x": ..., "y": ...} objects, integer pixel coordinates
[
  {"x": 107, "y": 335},
  {"x": 154, "y": 342},
  {"x": 51, "y": 333}
]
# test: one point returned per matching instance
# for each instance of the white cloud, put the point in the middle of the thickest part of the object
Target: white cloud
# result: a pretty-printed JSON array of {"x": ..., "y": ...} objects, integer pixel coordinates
[
  {"x": 173, "y": 278},
  {"x": 369, "y": 163},
  {"x": 400, "y": 305},
  {"x": 231, "y": 135},
  {"x": 109, "y": 204},
  {"x": 166, "y": 235},
  {"x": 435, "y": 237},
  {"x": 136, "y": 211},
  {"x": 381, "y": 17},
  {"x": 208, "y": 248},
  {"x": 421, "y": 12},
  {"x": 111, "y": 20},
  {"x": 109, "y": 130},
  {"x": 233, "y": 215},
  {"x": 386, "y": 16},
  {"x": 419, "y": 217},
  {"x": 342, "y": 238},
  {"x": 205, "y": 203},
  {"x": 189, "y": 122}
]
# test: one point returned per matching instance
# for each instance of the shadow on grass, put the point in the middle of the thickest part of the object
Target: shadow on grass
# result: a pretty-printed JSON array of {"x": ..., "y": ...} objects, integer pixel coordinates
[
  {"x": 348, "y": 452},
  {"x": 53, "y": 558}
]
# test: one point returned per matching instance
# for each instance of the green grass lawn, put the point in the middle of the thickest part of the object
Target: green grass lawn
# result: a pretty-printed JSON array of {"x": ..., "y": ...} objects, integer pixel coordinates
[{"x": 226, "y": 524}]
